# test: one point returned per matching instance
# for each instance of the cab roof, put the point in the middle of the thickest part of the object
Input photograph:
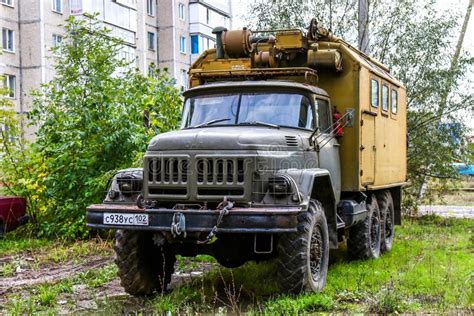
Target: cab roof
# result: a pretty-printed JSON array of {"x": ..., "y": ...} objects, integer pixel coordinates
[{"x": 238, "y": 85}]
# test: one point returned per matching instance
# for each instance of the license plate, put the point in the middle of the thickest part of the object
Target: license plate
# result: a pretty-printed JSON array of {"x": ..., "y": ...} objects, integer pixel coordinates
[{"x": 125, "y": 219}]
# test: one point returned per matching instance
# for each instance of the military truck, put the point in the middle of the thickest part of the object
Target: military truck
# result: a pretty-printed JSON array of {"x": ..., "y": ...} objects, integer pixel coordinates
[{"x": 291, "y": 142}]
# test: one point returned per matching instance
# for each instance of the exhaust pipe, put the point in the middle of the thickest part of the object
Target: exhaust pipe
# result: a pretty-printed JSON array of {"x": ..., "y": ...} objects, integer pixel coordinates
[{"x": 219, "y": 47}]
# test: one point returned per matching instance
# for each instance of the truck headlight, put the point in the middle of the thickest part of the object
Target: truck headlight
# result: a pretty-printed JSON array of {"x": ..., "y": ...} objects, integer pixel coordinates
[{"x": 279, "y": 186}]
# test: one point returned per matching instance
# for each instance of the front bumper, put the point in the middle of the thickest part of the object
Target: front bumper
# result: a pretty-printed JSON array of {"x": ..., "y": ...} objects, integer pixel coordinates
[{"x": 239, "y": 220}]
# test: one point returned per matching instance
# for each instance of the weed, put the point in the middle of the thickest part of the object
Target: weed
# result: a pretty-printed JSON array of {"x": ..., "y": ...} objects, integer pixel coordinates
[
  {"x": 15, "y": 306},
  {"x": 292, "y": 305},
  {"x": 8, "y": 269},
  {"x": 184, "y": 298},
  {"x": 387, "y": 301},
  {"x": 47, "y": 295},
  {"x": 98, "y": 277},
  {"x": 232, "y": 294}
]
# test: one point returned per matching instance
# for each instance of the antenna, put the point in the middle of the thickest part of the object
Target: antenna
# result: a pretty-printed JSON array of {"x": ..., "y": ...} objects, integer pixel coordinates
[{"x": 330, "y": 15}]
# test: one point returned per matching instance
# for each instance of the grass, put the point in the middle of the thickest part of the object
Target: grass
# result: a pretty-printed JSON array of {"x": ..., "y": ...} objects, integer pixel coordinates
[
  {"x": 44, "y": 298},
  {"x": 41, "y": 252},
  {"x": 428, "y": 270},
  {"x": 97, "y": 277},
  {"x": 11, "y": 245}
]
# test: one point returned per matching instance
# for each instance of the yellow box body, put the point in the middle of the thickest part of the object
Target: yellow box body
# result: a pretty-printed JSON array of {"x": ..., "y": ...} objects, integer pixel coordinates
[{"x": 373, "y": 150}]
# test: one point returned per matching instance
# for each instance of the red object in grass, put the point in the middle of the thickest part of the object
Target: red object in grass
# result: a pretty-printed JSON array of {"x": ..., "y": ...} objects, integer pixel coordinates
[{"x": 12, "y": 213}]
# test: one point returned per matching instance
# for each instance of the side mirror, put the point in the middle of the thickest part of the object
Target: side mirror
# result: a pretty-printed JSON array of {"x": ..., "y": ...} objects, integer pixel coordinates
[{"x": 350, "y": 113}]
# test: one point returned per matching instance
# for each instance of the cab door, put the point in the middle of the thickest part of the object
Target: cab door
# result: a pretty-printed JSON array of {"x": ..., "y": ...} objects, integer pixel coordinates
[{"x": 328, "y": 153}]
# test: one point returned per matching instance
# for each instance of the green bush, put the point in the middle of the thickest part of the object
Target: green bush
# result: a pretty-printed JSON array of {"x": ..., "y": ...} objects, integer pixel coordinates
[{"x": 90, "y": 122}]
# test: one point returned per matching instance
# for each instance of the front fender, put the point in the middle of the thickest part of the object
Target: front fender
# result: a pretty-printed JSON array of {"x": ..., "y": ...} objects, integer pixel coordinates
[{"x": 316, "y": 184}]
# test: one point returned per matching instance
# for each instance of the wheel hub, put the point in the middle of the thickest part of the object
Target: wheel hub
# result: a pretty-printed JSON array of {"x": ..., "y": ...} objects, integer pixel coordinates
[
  {"x": 316, "y": 253},
  {"x": 374, "y": 230},
  {"x": 388, "y": 225}
]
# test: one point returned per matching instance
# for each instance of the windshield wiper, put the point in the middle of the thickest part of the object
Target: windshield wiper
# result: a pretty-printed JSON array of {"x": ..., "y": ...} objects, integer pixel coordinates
[
  {"x": 259, "y": 123},
  {"x": 211, "y": 122}
]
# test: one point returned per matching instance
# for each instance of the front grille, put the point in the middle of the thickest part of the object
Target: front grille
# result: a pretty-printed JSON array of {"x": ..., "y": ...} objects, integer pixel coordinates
[
  {"x": 196, "y": 178},
  {"x": 168, "y": 170},
  {"x": 220, "y": 171}
]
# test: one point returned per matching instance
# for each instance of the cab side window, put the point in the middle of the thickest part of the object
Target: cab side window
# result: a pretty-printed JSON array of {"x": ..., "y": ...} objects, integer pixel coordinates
[
  {"x": 374, "y": 93},
  {"x": 394, "y": 101},
  {"x": 306, "y": 119},
  {"x": 385, "y": 98},
  {"x": 324, "y": 115}
]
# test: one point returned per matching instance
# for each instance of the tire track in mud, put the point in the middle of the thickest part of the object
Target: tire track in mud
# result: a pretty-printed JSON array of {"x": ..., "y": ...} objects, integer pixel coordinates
[{"x": 50, "y": 274}]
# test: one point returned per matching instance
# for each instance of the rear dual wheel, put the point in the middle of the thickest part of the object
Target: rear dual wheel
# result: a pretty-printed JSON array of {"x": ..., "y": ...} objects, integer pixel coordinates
[
  {"x": 364, "y": 238},
  {"x": 387, "y": 215},
  {"x": 375, "y": 234}
]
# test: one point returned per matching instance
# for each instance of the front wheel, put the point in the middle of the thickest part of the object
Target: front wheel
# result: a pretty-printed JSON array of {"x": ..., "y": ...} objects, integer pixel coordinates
[
  {"x": 303, "y": 256},
  {"x": 143, "y": 267}
]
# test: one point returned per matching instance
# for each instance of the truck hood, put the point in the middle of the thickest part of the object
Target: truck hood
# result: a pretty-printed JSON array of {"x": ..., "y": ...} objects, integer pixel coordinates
[{"x": 232, "y": 138}]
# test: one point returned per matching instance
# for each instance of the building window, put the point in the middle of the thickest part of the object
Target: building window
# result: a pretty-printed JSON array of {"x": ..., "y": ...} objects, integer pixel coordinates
[
  {"x": 394, "y": 101},
  {"x": 9, "y": 83},
  {"x": 374, "y": 93},
  {"x": 194, "y": 44},
  {"x": 182, "y": 44},
  {"x": 151, "y": 41},
  {"x": 182, "y": 12},
  {"x": 8, "y": 40},
  {"x": 150, "y": 7},
  {"x": 385, "y": 98},
  {"x": 208, "y": 16},
  {"x": 57, "y": 39},
  {"x": 7, "y": 2},
  {"x": 57, "y": 6}
]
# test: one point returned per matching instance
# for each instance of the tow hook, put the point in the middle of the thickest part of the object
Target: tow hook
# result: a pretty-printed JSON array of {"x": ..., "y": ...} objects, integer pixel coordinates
[
  {"x": 178, "y": 225},
  {"x": 224, "y": 207}
]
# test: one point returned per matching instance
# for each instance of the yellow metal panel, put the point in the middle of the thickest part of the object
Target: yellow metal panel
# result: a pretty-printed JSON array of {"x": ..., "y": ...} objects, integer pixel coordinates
[
  {"x": 343, "y": 89},
  {"x": 227, "y": 64},
  {"x": 389, "y": 136},
  {"x": 290, "y": 40}
]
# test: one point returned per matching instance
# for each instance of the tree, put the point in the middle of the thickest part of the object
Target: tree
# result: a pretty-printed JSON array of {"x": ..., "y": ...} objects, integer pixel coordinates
[
  {"x": 416, "y": 40},
  {"x": 90, "y": 123}
]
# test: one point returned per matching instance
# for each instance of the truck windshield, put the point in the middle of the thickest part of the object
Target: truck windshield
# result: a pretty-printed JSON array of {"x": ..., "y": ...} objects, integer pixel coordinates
[{"x": 282, "y": 109}]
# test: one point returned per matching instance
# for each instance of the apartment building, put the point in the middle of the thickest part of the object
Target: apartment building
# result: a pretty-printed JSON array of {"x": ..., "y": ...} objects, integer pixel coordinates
[
  {"x": 167, "y": 33},
  {"x": 187, "y": 25}
]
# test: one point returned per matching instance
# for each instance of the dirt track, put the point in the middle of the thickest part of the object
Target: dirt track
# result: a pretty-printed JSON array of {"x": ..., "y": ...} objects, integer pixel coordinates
[
  {"x": 50, "y": 274},
  {"x": 25, "y": 280}
]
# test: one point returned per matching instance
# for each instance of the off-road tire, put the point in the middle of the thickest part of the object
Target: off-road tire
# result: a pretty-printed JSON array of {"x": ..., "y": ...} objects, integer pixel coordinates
[
  {"x": 299, "y": 251},
  {"x": 143, "y": 267},
  {"x": 364, "y": 238},
  {"x": 387, "y": 216}
]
